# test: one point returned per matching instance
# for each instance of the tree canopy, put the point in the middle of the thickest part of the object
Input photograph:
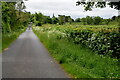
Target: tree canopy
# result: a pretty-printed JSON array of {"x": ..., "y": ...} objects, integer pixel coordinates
[
  {"x": 12, "y": 19},
  {"x": 88, "y": 5}
]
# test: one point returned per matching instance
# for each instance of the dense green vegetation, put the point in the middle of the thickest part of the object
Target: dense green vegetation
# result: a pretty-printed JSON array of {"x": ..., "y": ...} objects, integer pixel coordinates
[
  {"x": 78, "y": 60},
  {"x": 14, "y": 22},
  {"x": 85, "y": 45},
  {"x": 39, "y": 19},
  {"x": 11, "y": 19},
  {"x": 102, "y": 40}
]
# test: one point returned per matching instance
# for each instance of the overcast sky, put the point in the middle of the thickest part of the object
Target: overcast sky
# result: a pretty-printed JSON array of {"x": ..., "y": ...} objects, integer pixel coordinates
[{"x": 66, "y": 7}]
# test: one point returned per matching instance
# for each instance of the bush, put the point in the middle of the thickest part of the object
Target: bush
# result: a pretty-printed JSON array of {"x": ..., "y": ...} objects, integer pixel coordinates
[
  {"x": 79, "y": 61},
  {"x": 101, "y": 42},
  {"x": 38, "y": 23},
  {"x": 97, "y": 20},
  {"x": 106, "y": 43}
]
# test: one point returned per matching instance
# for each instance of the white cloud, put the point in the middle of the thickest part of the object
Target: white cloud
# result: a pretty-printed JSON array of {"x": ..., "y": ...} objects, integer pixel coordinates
[{"x": 66, "y": 7}]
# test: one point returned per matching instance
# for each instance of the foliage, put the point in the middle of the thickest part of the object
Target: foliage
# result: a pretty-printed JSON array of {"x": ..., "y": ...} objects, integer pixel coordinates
[
  {"x": 64, "y": 19},
  {"x": 76, "y": 59},
  {"x": 97, "y": 20},
  {"x": 89, "y": 4},
  {"x": 37, "y": 23},
  {"x": 61, "y": 19},
  {"x": 114, "y": 17},
  {"x": 14, "y": 22},
  {"x": 83, "y": 20},
  {"x": 89, "y": 20},
  {"x": 11, "y": 20},
  {"x": 55, "y": 20},
  {"x": 78, "y": 20},
  {"x": 38, "y": 19},
  {"x": 47, "y": 19},
  {"x": 106, "y": 21},
  {"x": 105, "y": 42}
]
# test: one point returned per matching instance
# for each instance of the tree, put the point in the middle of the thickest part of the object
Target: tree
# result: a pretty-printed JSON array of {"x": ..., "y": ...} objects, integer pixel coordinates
[
  {"x": 78, "y": 20},
  {"x": 24, "y": 18},
  {"x": 7, "y": 10},
  {"x": 55, "y": 20},
  {"x": 114, "y": 17},
  {"x": 89, "y": 20},
  {"x": 97, "y": 20},
  {"x": 11, "y": 20},
  {"x": 61, "y": 19},
  {"x": 89, "y": 4},
  {"x": 47, "y": 19},
  {"x": 73, "y": 20},
  {"x": 68, "y": 19},
  {"x": 39, "y": 16},
  {"x": 32, "y": 18},
  {"x": 38, "y": 19},
  {"x": 107, "y": 21},
  {"x": 83, "y": 20}
]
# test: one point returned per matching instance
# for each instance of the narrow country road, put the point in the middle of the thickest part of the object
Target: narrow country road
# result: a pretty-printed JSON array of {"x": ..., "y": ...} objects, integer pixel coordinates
[{"x": 28, "y": 58}]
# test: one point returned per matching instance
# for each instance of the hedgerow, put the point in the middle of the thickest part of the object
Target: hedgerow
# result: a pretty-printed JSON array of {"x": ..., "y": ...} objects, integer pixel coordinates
[{"x": 104, "y": 42}]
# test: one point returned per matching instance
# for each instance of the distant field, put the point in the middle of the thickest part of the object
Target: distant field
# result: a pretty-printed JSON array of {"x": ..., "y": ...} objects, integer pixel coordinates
[{"x": 95, "y": 28}]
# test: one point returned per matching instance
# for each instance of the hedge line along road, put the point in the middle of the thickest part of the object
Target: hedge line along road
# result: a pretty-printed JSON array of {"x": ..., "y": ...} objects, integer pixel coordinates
[{"x": 28, "y": 58}]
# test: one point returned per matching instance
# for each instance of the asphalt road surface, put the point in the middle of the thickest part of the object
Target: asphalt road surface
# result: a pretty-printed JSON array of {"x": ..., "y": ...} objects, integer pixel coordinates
[{"x": 28, "y": 58}]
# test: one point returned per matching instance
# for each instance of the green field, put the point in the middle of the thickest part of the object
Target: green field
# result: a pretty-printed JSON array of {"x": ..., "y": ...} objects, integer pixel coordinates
[{"x": 78, "y": 60}]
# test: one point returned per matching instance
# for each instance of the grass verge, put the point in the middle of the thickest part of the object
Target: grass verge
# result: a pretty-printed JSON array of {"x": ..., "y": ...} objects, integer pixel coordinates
[
  {"x": 8, "y": 38},
  {"x": 77, "y": 60}
]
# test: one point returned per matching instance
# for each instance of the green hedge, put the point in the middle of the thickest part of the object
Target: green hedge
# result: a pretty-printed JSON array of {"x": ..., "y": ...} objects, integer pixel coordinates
[{"x": 106, "y": 43}]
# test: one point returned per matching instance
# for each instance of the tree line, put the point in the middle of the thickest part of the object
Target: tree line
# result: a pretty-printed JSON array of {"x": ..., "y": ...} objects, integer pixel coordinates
[
  {"x": 96, "y": 20},
  {"x": 38, "y": 19},
  {"x": 13, "y": 19}
]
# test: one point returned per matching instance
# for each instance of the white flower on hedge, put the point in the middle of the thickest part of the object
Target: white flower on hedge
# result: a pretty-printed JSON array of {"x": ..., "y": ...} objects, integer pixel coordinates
[{"x": 93, "y": 38}]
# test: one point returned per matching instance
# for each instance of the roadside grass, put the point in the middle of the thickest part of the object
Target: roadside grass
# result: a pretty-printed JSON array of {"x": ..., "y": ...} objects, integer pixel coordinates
[
  {"x": 8, "y": 38},
  {"x": 78, "y": 61}
]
